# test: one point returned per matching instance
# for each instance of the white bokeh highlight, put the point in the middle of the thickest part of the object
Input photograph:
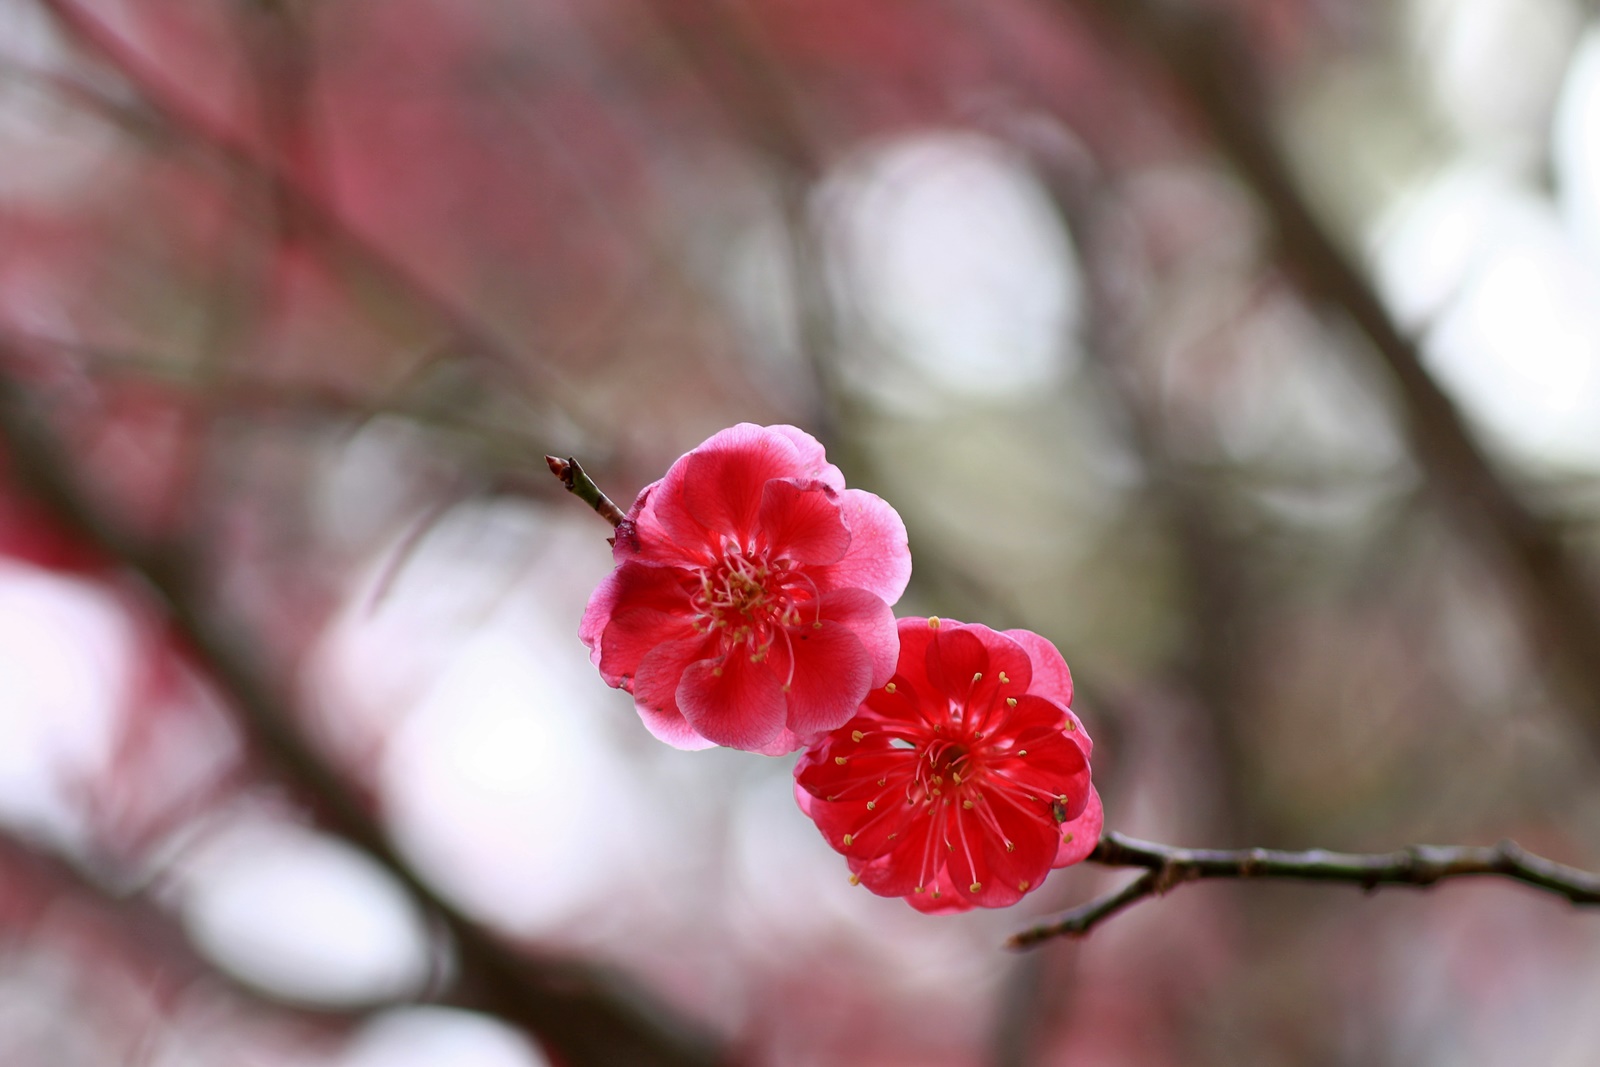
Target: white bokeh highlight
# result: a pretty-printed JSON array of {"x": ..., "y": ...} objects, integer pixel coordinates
[
  {"x": 66, "y": 650},
  {"x": 302, "y": 915},
  {"x": 949, "y": 252}
]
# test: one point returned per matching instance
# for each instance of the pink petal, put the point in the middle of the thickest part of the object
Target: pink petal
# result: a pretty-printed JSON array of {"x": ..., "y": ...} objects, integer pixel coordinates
[
  {"x": 801, "y": 521},
  {"x": 1051, "y": 679},
  {"x": 641, "y": 607},
  {"x": 879, "y": 558},
  {"x": 813, "y": 460},
  {"x": 1080, "y": 835},
  {"x": 872, "y": 621},
  {"x": 827, "y": 672},
  {"x": 723, "y": 479},
  {"x": 732, "y": 701},
  {"x": 655, "y": 688}
]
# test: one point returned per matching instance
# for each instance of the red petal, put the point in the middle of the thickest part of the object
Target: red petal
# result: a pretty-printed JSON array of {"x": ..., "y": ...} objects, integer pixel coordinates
[
  {"x": 655, "y": 687},
  {"x": 827, "y": 672},
  {"x": 878, "y": 559},
  {"x": 982, "y": 869},
  {"x": 723, "y": 479},
  {"x": 732, "y": 701},
  {"x": 952, "y": 660},
  {"x": 647, "y": 606},
  {"x": 802, "y": 521}
]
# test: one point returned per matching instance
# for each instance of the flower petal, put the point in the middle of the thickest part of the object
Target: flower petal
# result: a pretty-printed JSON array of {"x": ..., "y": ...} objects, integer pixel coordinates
[
  {"x": 732, "y": 701},
  {"x": 802, "y": 521},
  {"x": 826, "y": 672},
  {"x": 639, "y": 607},
  {"x": 872, "y": 621},
  {"x": 723, "y": 480},
  {"x": 1080, "y": 835},
  {"x": 813, "y": 460},
  {"x": 1051, "y": 679},
  {"x": 879, "y": 557},
  {"x": 655, "y": 688}
]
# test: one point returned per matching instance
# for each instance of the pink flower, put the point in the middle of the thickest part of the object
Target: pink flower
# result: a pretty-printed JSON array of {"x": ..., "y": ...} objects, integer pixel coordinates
[
  {"x": 965, "y": 779},
  {"x": 750, "y": 604}
]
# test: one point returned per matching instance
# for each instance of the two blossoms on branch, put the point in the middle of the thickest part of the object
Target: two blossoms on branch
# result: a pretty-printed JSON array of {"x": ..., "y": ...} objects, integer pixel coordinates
[{"x": 751, "y": 607}]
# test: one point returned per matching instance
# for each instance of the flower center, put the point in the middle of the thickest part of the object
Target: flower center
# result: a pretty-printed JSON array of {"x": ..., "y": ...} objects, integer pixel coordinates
[{"x": 750, "y": 599}]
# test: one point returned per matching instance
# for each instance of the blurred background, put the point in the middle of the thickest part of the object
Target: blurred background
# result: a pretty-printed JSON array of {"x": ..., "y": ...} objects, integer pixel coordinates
[{"x": 301, "y": 760}]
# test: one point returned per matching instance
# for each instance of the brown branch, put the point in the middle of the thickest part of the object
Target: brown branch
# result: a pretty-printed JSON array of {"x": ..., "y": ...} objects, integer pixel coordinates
[
  {"x": 1418, "y": 866},
  {"x": 1202, "y": 52},
  {"x": 582, "y": 486},
  {"x": 585, "y": 1016}
]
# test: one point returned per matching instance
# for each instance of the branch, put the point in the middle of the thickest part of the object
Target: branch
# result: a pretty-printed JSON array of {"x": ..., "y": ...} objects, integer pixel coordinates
[
  {"x": 585, "y": 1016},
  {"x": 1418, "y": 866},
  {"x": 582, "y": 486},
  {"x": 1202, "y": 53}
]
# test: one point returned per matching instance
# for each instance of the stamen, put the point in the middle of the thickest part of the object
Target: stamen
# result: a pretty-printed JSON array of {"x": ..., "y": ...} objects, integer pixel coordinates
[{"x": 1003, "y": 678}]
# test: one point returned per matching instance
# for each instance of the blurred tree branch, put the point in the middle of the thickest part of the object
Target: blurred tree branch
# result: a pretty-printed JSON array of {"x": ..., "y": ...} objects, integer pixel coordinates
[
  {"x": 1418, "y": 866},
  {"x": 1204, "y": 54},
  {"x": 583, "y": 1015},
  {"x": 316, "y": 219}
]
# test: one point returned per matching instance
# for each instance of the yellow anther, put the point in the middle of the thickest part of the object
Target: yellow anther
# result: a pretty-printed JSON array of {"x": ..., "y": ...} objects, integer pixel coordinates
[
  {"x": 840, "y": 760},
  {"x": 1022, "y": 752},
  {"x": 938, "y": 779},
  {"x": 1010, "y": 847},
  {"x": 917, "y": 890},
  {"x": 817, "y": 625},
  {"x": 1022, "y": 887},
  {"x": 889, "y": 688},
  {"x": 856, "y": 735},
  {"x": 936, "y": 894},
  {"x": 975, "y": 886},
  {"x": 956, "y": 778},
  {"x": 831, "y": 797},
  {"x": 872, "y": 805},
  {"x": 786, "y": 687},
  {"x": 977, "y": 676},
  {"x": 1011, "y": 702},
  {"x": 849, "y": 839},
  {"x": 966, "y": 804},
  {"x": 1066, "y": 836},
  {"x": 716, "y": 672},
  {"x": 1064, "y": 799},
  {"x": 882, "y": 782},
  {"x": 933, "y": 622},
  {"x": 855, "y": 880},
  {"x": 1003, "y": 678},
  {"x": 1071, "y": 726}
]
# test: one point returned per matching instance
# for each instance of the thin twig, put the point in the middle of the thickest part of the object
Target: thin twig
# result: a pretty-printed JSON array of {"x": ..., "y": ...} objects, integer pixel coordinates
[
  {"x": 1418, "y": 866},
  {"x": 582, "y": 486}
]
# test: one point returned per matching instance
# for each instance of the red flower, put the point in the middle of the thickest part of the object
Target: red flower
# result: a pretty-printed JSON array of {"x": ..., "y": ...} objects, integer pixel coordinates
[
  {"x": 965, "y": 779},
  {"x": 750, "y": 604}
]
